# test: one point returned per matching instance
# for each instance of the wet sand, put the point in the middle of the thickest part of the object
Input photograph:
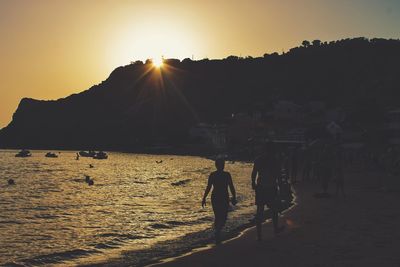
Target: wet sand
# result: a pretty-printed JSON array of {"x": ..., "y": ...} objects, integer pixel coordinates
[{"x": 361, "y": 229}]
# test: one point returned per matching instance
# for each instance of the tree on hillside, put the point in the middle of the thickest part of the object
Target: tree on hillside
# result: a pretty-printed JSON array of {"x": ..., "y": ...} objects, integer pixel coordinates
[
  {"x": 306, "y": 43},
  {"x": 316, "y": 42}
]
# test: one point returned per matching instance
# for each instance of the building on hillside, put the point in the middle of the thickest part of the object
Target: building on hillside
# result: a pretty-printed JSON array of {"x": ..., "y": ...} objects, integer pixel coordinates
[
  {"x": 286, "y": 110},
  {"x": 213, "y": 136},
  {"x": 337, "y": 115},
  {"x": 315, "y": 107},
  {"x": 334, "y": 130}
]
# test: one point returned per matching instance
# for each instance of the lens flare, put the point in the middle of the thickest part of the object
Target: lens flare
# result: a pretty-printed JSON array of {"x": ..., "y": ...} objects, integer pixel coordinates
[{"x": 158, "y": 62}]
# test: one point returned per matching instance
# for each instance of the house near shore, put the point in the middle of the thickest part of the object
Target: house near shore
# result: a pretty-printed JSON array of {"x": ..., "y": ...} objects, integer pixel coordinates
[
  {"x": 286, "y": 110},
  {"x": 334, "y": 130},
  {"x": 212, "y": 136}
]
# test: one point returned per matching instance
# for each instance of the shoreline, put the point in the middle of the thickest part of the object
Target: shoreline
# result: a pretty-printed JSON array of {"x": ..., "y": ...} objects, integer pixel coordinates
[
  {"x": 360, "y": 229},
  {"x": 203, "y": 245},
  {"x": 242, "y": 230}
]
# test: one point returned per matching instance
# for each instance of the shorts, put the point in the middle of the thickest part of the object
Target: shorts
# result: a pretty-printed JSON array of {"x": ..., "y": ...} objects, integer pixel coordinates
[
  {"x": 220, "y": 207},
  {"x": 266, "y": 196}
]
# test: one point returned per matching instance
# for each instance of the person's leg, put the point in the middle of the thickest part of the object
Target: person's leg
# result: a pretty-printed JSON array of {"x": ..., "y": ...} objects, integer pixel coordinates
[
  {"x": 217, "y": 221},
  {"x": 304, "y": 171},
  {"x": 274, "y": 206},
  {"x": 221, "y": 215},
  {"x": 275, "y": 219},
  {"x": 217, "y": 236},
  {"x": 218, "y": 227},
  {"x": 277, "y": 228},
  {"x": 294, "y": 173},
  {"x": 259, "y": 219}
]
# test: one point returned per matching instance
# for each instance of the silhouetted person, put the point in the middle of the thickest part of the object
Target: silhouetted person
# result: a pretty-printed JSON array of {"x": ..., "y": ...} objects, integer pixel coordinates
[
  {"x": 307, "y": 166},
  {"x": 317, "y": 165},
  {"x": 326, "y": 169},
  {"x": 294, "y": 165},
  {"x": 264, "y": 178},
  {"x": 77, "y": 156},
  {"x": 338, "y": 171},
  {"x": 219, "y": 181}
]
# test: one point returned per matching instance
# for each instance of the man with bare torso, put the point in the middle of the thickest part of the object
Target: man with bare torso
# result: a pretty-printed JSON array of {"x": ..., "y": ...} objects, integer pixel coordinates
[{"x": 264, "y": 177}]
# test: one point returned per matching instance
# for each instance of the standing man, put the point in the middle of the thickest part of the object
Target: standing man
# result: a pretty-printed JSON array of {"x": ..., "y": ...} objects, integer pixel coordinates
[
  {"x": 293, "y": 165},
  {"x": 266, "y": 172}
]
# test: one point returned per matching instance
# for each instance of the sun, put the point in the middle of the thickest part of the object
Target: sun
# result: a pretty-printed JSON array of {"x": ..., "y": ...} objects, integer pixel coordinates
[{"x": 158, "y": 62}]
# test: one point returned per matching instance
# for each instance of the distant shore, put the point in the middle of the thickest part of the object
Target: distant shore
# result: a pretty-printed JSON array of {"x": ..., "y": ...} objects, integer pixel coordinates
[{"x": 208, "y": 155}]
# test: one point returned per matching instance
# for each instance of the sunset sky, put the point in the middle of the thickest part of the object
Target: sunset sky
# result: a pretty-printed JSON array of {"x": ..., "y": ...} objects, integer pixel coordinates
[{"x": 52, "y": 48}]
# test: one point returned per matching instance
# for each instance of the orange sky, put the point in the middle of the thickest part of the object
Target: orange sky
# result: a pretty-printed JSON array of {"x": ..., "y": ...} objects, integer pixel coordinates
[{"x": 52, "y": 48}]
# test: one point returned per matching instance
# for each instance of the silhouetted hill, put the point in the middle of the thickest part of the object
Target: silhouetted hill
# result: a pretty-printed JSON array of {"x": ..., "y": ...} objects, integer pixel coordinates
[{"x": 139, "y": 104}]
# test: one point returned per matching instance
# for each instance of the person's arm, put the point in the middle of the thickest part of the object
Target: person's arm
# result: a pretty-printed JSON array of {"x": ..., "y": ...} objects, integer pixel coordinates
[
  {"x": 232, "y": 188},
  {"x": 208, "y": 188},
  {"x": 254, "y": 176},
  {"x": 277, "y": 171}
]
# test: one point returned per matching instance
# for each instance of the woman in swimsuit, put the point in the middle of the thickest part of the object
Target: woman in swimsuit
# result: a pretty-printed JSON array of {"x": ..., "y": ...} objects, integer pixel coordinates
[{"x": 219, "y": 180}]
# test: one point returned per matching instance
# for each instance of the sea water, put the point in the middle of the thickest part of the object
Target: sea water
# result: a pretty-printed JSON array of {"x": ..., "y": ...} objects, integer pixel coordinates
[{"x": 141, "y": 207}]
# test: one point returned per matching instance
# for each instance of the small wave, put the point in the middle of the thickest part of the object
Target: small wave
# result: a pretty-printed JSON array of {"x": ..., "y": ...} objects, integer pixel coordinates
[
  {"x": 56, "y": 257},
  {"x": 11, "y": 222},
  {"x": 140, "y": 182},
  {"x": 177, "y": 223},
  {"x": 160, "y": 226},
  {"x": 160, "y": 178},
  {"x": 123, "y": 236},
  {"x": 181, "y": 182},
  {"x": 46, "y": 216},
  {"x": 105, "y": 246}
]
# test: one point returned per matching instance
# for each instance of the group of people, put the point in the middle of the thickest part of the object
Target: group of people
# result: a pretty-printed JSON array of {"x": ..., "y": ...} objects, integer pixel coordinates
[
  {"x": 265, "y": 179},
  {"x": 322, "y": 163}
]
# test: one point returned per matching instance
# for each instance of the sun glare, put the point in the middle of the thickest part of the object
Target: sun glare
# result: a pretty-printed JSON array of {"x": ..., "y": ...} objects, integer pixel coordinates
[
  {"x": 158, "y": 62},
  {"x": 152, "y": 38}
]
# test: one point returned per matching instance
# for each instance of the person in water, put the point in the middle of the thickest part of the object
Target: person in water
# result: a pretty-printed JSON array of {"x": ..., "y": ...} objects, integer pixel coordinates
[
  {"x": 264, "y": 180},
  {"x": 219, "y": 180}
]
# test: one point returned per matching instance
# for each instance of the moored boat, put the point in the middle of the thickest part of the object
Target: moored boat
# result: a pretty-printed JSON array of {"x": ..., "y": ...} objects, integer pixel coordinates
[
  {"x": 51, "y": 155},
  {"x": 23, "y": 154},
  {"x": 100, "y": 155},
  {"x": 89, "y": 154}
]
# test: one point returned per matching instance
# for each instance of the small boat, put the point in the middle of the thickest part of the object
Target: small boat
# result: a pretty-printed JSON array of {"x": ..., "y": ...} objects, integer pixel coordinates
[
  {"x": 23, "y": 154},
  {"x": 89, "y": 154},
  {"x": 51, "y": 155},
  {"x": 100, "y": 155},
  {"x": 159, "y": 161}
]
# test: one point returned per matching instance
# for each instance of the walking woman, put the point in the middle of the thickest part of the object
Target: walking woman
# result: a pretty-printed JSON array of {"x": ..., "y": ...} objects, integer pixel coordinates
[{"x": 219, "y": 180}]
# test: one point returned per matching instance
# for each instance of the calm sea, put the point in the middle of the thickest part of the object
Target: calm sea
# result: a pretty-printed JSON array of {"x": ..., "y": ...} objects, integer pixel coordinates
[{"x": 137, "y": 209}]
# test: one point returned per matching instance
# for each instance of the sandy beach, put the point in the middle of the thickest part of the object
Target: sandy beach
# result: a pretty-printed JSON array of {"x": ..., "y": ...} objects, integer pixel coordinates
[{"x": 360, "y": 229}]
